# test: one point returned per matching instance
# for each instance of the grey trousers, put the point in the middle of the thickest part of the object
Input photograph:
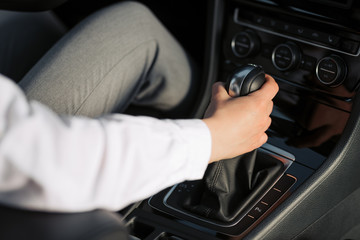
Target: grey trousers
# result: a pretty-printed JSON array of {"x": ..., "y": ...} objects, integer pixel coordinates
[{"x": 118, "y": 56}]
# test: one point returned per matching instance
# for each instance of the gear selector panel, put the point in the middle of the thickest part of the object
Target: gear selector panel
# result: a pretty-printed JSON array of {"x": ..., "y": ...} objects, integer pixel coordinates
[{"x": 177, "y": 200}]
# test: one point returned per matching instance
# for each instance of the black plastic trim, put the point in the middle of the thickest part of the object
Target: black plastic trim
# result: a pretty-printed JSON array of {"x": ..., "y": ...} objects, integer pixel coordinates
[
  {"x": 321, "y": 192},
  {"x": 30, "y": 5},
  {"x": 212, "y": 52}
]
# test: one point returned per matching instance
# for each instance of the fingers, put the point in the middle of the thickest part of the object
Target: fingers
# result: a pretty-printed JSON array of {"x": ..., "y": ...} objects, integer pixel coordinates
[
  {"x": 262, "y": 139},
  {"x": 269, "y": 89},
  {"x": 265, "y": 126},
  {"x": 219, "y": 91},
  {"x": 270, "y": 107},
  {"x": 268, "y": 123}
]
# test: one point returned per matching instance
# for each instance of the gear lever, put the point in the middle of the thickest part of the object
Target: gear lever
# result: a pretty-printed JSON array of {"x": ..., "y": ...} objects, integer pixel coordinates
[
  {"x": 246, "y": 79},
  {"x": 229, "y": 186}
]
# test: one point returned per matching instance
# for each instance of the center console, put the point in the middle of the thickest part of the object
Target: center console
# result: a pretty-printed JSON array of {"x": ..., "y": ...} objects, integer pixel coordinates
[
  {"x": 314, "y": 63},
  {"x": 311, "y": 49}
]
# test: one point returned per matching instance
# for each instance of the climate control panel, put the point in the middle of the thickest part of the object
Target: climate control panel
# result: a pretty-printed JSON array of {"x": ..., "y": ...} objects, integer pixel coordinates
[
  {"x": 287, "y": 57},
  {"x": 317, "y": 78},
  {"x": 298, "y": 60}
]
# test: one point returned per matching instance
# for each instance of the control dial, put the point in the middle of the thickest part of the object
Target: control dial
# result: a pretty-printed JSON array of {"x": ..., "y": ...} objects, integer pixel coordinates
[
  {"x": 331, "y": 70},
  {"x": 286, "y": 56},
  {"x": 245, "y": 44}
]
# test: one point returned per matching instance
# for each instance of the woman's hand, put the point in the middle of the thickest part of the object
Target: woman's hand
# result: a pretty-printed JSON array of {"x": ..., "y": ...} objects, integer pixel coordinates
[{"x": 238, "y": 125}]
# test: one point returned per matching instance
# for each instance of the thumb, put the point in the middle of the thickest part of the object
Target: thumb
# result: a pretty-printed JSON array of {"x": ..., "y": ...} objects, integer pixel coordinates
[{"x": 219, "y": 92}]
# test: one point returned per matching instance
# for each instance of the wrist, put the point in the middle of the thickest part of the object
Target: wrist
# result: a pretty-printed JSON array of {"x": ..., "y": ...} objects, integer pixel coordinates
[{"x": 212, "y": 129}]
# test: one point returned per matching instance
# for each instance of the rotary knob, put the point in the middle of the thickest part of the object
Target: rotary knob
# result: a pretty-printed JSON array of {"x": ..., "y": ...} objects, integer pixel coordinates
[
  {"x": 331, "y": 70},
  {"x": 245, "y": 44},
  {"x": 286, "y": 56}
]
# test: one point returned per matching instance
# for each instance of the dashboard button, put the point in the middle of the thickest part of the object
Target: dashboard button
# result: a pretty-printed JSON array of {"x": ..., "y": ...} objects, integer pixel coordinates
[
  {"x": 273, "y": 23},
  {"x": 286, "y": 56},
  {"x": 283, "y": 26},
  {"x": 245, "y": 44},
  {"x": 308, "y": 63},
  {"x": 258, "y": 19},
  {"x": 258, "y": 210},
  {"x": 283, "y": 57},
  {"x": 271, "y": 197},
  {"x": 331, "y": 39},
  {"x": 316, "y": 35},
  {"x": 299, "y": 30},
  {"x": 284, "y": 183},
  {"x": 246, "y": 222},
  {"x": 331, "y": 70},
  {"x": 349, "y": 46},
  {"x": 261, "y": 20},
  {"x": 241, "y": 44}
]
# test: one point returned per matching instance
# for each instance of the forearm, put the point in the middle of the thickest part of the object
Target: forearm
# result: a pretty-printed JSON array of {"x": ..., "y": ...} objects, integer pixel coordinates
[
  {"x": 77, "y": 164},
  {"x": 166, "y": 152}
]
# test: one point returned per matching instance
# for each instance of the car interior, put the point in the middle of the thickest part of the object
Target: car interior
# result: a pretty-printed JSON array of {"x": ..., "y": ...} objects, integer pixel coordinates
[{"x": 304, "y": 183}]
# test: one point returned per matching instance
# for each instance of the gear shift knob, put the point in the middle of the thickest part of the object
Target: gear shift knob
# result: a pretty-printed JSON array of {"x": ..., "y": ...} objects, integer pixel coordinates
[
  {"x": 232, "y": 186},
  {"x": 248, "y": 78}
]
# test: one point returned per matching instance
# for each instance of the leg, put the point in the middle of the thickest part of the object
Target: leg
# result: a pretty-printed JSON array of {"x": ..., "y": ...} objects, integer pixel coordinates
[
  {"x": 118, "y": 55},
  {"x": 25, "y": 38}
]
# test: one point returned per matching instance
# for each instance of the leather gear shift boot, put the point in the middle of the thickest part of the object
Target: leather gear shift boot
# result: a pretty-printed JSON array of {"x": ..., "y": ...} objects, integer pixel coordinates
[{"x": 230, "y": 186}]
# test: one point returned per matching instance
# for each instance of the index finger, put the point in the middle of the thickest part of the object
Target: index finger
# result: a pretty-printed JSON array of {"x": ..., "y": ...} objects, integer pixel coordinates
[
  {"x": 219, "y": 91},
  {"x": 269, "y": 89}
]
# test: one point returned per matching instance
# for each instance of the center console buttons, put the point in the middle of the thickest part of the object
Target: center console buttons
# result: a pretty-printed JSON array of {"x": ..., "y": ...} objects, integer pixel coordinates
[
  {"x": 245, "y": 44},
  {"x": 331, "y": 70},
  {"x": 286, "y": 56}
]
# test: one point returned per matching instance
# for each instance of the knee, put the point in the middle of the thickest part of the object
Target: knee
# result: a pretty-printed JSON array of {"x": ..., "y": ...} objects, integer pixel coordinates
[
  {"x": 134, "y": 11},
  {"x": 133, "y": 6}
]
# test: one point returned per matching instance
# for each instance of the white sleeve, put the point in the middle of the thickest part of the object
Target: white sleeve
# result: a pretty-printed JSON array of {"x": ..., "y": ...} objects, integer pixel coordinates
[{"x": 71, "y": 164}]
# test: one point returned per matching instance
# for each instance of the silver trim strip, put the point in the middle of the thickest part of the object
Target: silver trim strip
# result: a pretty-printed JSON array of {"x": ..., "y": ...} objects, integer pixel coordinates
[
  {"x": 326, "y": 70},
  {"x": 278, "y": 151}
]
